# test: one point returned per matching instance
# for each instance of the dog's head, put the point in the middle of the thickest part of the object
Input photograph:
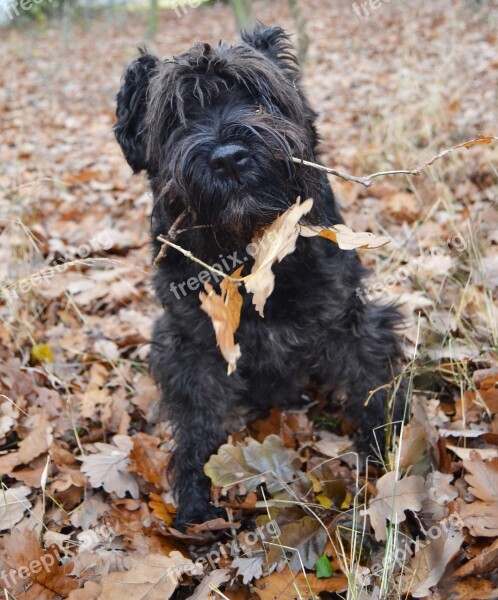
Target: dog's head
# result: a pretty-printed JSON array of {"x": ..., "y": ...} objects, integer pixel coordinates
[{"x": 215, "y": 128}]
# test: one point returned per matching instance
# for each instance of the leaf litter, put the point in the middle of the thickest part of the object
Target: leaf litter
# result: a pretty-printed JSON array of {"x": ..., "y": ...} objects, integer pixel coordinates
[{"x": 74, "y": 343}]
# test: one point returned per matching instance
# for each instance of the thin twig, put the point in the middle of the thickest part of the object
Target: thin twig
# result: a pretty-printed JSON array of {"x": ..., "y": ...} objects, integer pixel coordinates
[
  {"x": 479, "y": 140},
  {"x": 172, "y": 235},
  {"x": 173, "y": 230},
  {"x": 396, "y": 172},
  {"x": 367, "y": 181},
  {"x": 363, "y": 180},
  {"x": 189, "y": 254},
  {"x": 179, "y": 231},
  {"x": 161, "y": 254}
]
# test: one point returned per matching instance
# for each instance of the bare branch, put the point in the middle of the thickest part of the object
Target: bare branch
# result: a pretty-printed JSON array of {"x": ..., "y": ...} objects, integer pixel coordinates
[
  {"x": 172, "y": 235},
  {"x": 479, "y": 140},
  {"x": 363, "y": 180},
  {"x": 189, "y": 255},
  {"x": 367, "y": 181}
]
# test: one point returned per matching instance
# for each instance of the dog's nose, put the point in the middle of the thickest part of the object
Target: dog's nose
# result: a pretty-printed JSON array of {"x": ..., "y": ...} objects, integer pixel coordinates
[{"x": 229, "y": 159}]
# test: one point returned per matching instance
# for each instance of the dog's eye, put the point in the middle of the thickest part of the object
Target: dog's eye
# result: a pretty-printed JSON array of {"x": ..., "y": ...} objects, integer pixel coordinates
[{"x": 259, "y": 110}]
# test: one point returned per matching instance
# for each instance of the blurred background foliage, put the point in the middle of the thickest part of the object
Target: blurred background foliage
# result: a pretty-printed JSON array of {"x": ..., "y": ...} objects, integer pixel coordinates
[{"x": 20, "y": 12}]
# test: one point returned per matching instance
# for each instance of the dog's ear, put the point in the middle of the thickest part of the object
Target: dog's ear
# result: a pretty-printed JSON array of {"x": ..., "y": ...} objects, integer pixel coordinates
[
  {"x": 130, "y": 128},
  {"x": 274, "y": 43}
]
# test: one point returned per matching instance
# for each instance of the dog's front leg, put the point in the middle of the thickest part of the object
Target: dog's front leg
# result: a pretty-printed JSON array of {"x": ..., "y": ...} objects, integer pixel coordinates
[
  {"x": 361, "y": 366},
  {"x": 198, "y": 396}
]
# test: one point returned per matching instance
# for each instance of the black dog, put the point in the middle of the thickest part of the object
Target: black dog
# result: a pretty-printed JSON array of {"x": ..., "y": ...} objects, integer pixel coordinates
[{"x": 215, "y": 130}]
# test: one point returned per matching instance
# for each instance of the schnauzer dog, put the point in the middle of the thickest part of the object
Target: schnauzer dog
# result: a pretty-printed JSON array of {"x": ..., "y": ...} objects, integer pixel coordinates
[{"x": 215, "y": 129}]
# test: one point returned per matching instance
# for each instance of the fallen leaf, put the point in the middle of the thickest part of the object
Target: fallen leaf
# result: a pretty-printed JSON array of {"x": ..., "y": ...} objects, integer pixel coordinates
[
  {"x": 486, "y": 562},
  {"x": 97, "y": 564},
  {"x": 252, "y": 464},
  {"x": 481, "y": 518},
  {"x": 109, "y": 467},
  {"x": 8, "y": 416},
  {"x": 292, "y": 586},
  {"x": 465, "y": 453},
  {"x": 439, "y": 487},
  {"x": 482, "y": 477},
  {"x": 249, "y": 568},
  {"x": 88, "y": 512},
  {"x": 481, "y": 429},
  {"x": 393, "y": 498},
  {"x": 472, "y": 588},
  {"x": 153, "y": 576},
  {"x": 209, "y": 584},
  {"x": 149, "y": 461},
  {"x": 161, "y": 509},
  {"x": 332, "y": 445},
  {"x": 427, "y": 565},
  {"x": 90, "y": 591},
  {"x": 47, "y": 580},
  {"x": 413, "y": 446},
  {"x": 35, "y": 443},
  {"x": 92, "y": 402},
  {"x": 291, "y": 427},
  {"x": 300, "y": 542},
  {"x": 13, "y": 504},
  {"x": 217, "y": 524},
  {"x": 481, "y": 375},
  {"x": 403, "y": 206}
]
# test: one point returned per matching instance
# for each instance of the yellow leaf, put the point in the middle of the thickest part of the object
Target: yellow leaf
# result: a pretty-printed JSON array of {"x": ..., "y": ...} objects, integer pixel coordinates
[
  {"x": 324, "y": 500},
  {"x": 161, "y": 509},
  {"x": 42, "y": 353},
  {"x": 347, "y": 501},
  {"x": 317, "y": 486}
]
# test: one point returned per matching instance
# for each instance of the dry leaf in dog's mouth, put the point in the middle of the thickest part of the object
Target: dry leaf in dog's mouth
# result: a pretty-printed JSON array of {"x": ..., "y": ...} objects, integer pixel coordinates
[
  {"x": 277, "y": 241},
  {"x": 344, "y": 237},
  {"x": 224, "y": 312}
]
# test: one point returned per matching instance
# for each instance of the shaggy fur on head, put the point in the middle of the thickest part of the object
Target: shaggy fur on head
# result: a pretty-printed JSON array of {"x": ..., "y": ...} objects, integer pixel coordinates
[{"x": 215, "y": 129}]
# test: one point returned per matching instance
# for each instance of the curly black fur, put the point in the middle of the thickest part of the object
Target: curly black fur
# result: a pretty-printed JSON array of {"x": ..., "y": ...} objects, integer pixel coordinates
[{"x": 173, "y": 115}]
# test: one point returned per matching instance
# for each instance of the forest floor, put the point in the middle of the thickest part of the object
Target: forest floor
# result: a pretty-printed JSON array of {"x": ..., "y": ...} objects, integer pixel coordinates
[{"x": 83, "y": 457}]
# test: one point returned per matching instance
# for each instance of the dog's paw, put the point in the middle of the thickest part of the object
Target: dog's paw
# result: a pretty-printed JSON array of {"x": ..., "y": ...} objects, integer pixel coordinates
[{"x": 196, "y": 516}]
